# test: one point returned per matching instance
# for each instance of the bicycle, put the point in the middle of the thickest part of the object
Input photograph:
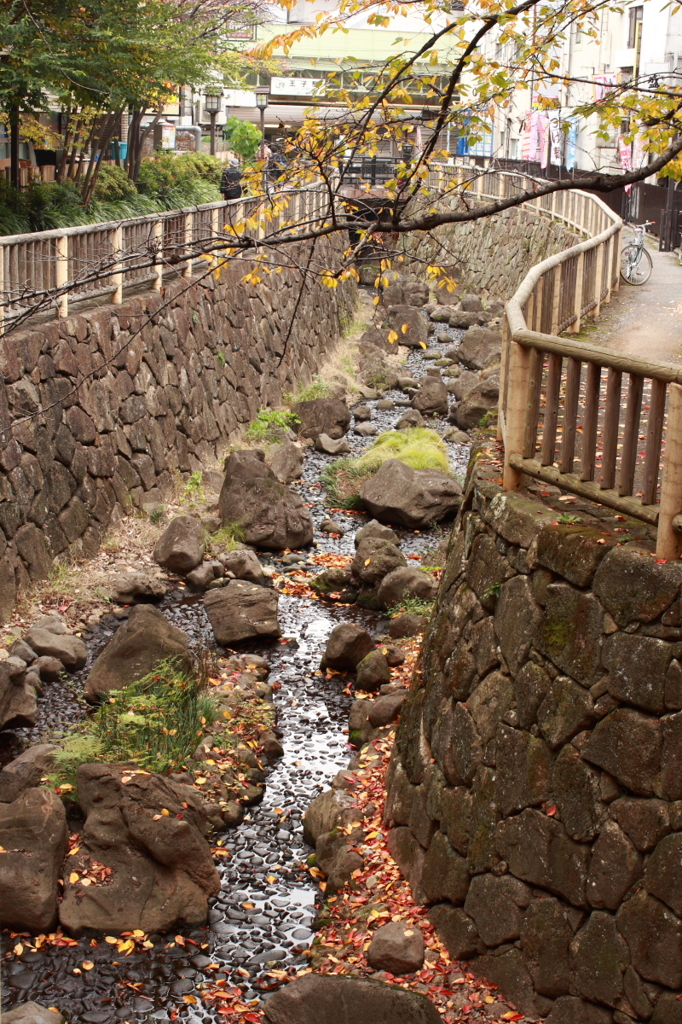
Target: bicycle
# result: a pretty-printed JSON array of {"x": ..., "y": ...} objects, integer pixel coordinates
[{"x": 635, "y": 261}]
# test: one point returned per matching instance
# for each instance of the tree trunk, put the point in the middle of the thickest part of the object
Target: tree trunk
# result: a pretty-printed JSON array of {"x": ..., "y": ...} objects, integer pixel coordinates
[
  {"x": 14, "y": 175},
  {"x": 98, "y": 150}
]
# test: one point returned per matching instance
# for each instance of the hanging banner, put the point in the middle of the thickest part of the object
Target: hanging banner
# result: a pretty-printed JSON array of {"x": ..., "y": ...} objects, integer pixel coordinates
[
  {"x": 625, "y": 155},
  {"x": 572, "y": 144},
  {"x": 603, "y": 86},
  {"x": 556, "y": 139},
  {"x": 543, "y": 137},
  {"x": 529, "y": 145}
]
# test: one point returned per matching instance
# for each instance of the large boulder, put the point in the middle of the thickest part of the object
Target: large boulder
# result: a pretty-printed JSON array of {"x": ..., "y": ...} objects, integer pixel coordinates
[
  {"x": 480, "y": 400},
  {"x": 404, "y": 291},
  {"x": 244, "y": 565},
  {"x": 372, "y": 672},
  {"x": 137, "y": 647},
  {"x": 242, "y": 611},
  {"x": 431, "y": 398},
  {"x": 137, "y": 588},
  {"x": 322, "y": 416},
  {"x": 25, "y": 771},
  {"x": 406, "y": 582},
  {"x": 287, "y": 462},
  {"x": 409, "y": 324},
  {"x": 397, "y": 947},
  {"x": 465, "y": 384},
  {"x": 347, "y": 645},
  {"x": 50, "y": 638},
  {"x": 480, "y": 347},
  {"x": 329, "y": 809},
  {"x": 374, "y": 559},
  {"x": 33, "y": 839},
  {"x": 150, "y": 832},
  {"x": 180, "y": 548},
  {"x": 18, "y": 702},
  {"x": 376, "y": 529},
  {"x": 334, "y": 999},
  {"x": 410, "y": 497},
  {"x": 269, "y": 514},
  {"x": 32, "y": 1013}
]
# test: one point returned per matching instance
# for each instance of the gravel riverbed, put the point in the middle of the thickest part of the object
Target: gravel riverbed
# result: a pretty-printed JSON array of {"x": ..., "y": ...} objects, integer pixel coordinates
[{"x": 263, "y": 916}]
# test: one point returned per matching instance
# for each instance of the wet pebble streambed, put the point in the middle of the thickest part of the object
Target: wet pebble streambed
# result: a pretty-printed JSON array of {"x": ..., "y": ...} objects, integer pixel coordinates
[{"x": 263, "y": 916}]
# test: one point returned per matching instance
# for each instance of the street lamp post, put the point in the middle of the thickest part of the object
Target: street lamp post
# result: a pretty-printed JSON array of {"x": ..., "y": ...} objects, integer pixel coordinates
[
  {"x": 262, "y": 102},
  {"x": 212, "y": 103}
]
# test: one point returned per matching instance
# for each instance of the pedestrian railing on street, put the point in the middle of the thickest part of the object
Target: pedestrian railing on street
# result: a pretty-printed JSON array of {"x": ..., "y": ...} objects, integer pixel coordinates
[{"x": 594, "y": 423}]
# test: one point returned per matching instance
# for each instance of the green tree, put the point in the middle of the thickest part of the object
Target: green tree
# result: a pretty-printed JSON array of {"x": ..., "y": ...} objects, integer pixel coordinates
[{"x": 242, "y": 137}]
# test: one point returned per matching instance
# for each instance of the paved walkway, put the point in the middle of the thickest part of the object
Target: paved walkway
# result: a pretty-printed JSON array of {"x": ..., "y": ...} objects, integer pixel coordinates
[{"x": 644, "y": 320}]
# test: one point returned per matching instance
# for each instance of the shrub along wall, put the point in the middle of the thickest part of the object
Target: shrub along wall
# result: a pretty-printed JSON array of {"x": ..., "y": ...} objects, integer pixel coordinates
[
  {"x": 535, "y": 791},
  {"x": 125, "y": 412}
]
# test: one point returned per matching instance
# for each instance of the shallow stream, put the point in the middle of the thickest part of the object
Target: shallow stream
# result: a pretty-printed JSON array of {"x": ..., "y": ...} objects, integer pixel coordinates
[{"x": 268, "y": 900}]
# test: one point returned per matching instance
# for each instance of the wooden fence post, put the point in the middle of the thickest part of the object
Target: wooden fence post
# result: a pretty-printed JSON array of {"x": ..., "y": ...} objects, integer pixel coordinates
[
  {"x": 517, "y": 406},
  {"x": 599, "y": 273},
  {"x": 157, "y": 237},
  {"x": 504, "y": 367},
  {"x": 187, "y": 241},
  {"x": 117, "y": 275},
  {"x": 61, "y": 273},
  {"x": 578, "y": 297},
  {"x": 4, "y": 310},
  {"x": 668, "y": 540}
]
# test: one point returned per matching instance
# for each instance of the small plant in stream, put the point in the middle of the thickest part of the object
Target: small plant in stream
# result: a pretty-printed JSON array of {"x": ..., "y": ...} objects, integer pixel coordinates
[
  {"x": 343, "y": 480},
  {"x": 193, "y": 488},
  {"x": 565, "y": 518},
  {"x": 418, "y": 447},
  {"x": 412, "y": 606},
  {"x": 156, "y": 723},
  {"x": 228, "y": 537},
  {"x": 318, "y": 388},
  {"x": 270, "y": 426}
]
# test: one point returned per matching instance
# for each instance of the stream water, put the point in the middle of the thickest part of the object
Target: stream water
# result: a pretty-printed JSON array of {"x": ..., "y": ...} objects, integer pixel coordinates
[{"x": 264, "y": 913}]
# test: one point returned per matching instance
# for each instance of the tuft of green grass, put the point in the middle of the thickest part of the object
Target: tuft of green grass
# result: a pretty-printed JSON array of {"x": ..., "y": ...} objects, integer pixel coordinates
[
  {"x": 318, "y": 388},
  {"x": 412, "y": 606},
  {"x": 270, "y": 426},
  {"x": 155, "y": 723},
  {"x": 417, "y": 447},
  {"x": 228, "y": 537},
  {"x": 343, "y": 480}
]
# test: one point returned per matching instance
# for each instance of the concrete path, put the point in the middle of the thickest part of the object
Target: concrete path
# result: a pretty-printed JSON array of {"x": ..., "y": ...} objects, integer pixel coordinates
[{"x": 644, "y": 320}]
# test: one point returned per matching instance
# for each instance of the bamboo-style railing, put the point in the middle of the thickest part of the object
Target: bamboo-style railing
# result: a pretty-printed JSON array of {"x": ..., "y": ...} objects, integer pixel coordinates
[
  {"x": 79, "y": 264},
  {"x": 592, "y": 422}
]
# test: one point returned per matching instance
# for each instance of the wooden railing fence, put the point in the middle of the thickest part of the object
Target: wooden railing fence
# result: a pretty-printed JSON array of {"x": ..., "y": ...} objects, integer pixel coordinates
[
  {"x": 582, "y": 417},
  {"x": 56, "y": 263}
]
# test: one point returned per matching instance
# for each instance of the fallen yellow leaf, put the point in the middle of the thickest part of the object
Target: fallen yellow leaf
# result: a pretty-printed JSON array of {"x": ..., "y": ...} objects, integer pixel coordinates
[
  {"x": 73, "y": 877},
  {"x": 87, "y": 965}
]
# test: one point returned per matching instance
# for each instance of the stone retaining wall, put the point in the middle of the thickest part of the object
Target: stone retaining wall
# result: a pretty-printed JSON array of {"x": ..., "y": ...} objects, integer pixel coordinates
[
  {"x": 162, "y": 403},
  {"x": 535, "y": 791},
  {"x": 493, "y": 255}
]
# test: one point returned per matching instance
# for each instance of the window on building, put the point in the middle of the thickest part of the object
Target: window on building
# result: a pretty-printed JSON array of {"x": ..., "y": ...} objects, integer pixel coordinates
[{"x": 635, "y": 16}]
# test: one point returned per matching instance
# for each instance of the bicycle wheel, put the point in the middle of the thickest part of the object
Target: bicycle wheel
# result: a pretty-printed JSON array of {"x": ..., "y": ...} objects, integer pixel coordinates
[{"x": 635, "y": 265}]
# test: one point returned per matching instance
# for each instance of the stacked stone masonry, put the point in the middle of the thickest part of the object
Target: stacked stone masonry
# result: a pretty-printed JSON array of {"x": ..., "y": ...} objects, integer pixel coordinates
[
  {"x": 535, "y": 791},
  {"x": 124, "y": 413},
  {"x": 492, "y": 256}
]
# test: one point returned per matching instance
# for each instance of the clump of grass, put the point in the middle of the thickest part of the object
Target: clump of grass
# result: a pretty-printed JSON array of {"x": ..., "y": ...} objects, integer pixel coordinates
[
  {"x": 412, "y": 606},
  {"x": 228, "y": 537},
  {"x": 270, "y": 426},
  {"x": 417, "y": 447},
  {"x": 343, "y": 480},
  {"x": 155, "y": 723},
  {"x": 318, "y": 388}
]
